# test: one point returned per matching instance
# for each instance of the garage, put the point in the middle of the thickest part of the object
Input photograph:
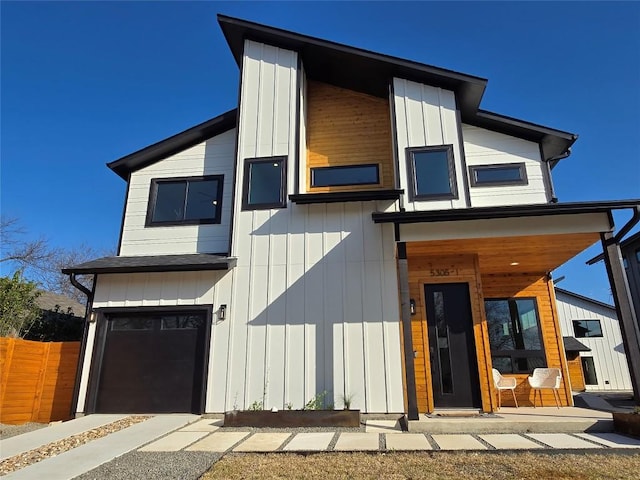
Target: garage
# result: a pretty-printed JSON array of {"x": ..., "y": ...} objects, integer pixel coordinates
[{"x": 150, "y": 361}]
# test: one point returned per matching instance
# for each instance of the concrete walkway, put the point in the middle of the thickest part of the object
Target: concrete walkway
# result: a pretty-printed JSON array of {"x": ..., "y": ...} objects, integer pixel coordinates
[
  {"x": 86, "y": 457},
  {"x": 189, "y": 433}
]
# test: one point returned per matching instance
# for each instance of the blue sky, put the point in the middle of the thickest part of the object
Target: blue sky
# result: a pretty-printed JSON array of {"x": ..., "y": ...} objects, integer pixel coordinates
[{"x": 84, "y": 83}]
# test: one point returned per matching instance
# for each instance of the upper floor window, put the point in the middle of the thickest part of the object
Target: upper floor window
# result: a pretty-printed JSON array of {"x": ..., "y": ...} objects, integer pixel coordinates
[
  {"x": 587, "y": 328},
  {"x": 431, "y": 173},
  {"x": 345, "y": 175},
  {"x": 497, "y": 175},
  {"x": 514, "y": 335},
  {"x": 265, "y": 183},
  {"x": 185, "y": 200}
]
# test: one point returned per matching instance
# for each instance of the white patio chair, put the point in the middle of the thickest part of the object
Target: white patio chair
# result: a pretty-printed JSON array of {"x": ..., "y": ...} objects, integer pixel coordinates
[
  {"x": 546, "y": 378},
  {"x": 504, "y": 383}
]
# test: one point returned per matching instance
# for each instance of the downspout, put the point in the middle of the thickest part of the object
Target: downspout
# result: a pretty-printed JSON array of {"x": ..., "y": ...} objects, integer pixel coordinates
[
  {"x": 85, "y": 332},
  {"x": 626, "y": 228},
  {"x": 547, "y": 163}
]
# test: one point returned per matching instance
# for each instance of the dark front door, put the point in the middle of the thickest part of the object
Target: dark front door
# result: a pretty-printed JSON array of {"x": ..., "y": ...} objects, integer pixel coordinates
[
  {"x": 152, "y": 363},
  {"x": 454, "y": 368}
]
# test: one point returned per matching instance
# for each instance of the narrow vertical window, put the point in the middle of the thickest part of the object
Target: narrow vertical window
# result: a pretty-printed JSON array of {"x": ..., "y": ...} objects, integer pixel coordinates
[
  {"x": 265, "y": 183},
  {"x": 431, "y": 173}
]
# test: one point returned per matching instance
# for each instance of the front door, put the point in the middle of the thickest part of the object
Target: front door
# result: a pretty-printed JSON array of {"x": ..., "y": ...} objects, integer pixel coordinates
[{"x": 454, "y": 368}]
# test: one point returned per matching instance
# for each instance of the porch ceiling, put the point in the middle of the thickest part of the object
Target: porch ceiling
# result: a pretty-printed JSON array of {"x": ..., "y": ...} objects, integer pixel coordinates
[{"x": 497, "y": 255}]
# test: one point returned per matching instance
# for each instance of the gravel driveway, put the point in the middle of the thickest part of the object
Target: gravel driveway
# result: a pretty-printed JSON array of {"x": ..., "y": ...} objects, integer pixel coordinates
[
  {"x": 155, "y": 466},
  {"x": 7, "y": 431}
]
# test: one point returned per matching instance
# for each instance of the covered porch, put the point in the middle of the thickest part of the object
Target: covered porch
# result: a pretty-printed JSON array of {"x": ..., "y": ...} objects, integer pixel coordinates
[{"x": 476, "y": 293}]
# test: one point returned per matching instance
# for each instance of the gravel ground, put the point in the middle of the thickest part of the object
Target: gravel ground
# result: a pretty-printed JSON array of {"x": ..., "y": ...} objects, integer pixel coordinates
[
  {"x": 154, "y": 466},
  {"x": 7, "y": 431}
]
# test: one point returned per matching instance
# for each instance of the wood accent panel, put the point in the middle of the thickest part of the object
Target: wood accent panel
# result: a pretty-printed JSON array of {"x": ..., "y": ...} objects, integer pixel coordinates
[
  {"x": 576, "y": 375},
  {"x": 462, "y": 269},
  {"x": 530, "y": 285},
  {"x": 533, "y": 253},
  {"x": 37, "y": 380},
  {"x": 348, "y": 128}
]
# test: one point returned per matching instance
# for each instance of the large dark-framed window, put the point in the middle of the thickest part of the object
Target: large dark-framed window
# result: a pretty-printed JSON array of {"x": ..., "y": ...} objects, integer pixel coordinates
[
  {"x": 515, "y": 336},
  {"x": 265, "y": 183},
  {"x": 185, "y": 201},
  {"x": 587, "y": 328},
  {"x": 497, "y": 175},
  {"x": 431, "y": 172},
  {"x": 345, "y": 175}
]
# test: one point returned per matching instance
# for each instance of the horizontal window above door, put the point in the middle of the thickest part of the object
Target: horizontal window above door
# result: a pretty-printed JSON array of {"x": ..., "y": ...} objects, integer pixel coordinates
[{"x": 345, "y": 175}]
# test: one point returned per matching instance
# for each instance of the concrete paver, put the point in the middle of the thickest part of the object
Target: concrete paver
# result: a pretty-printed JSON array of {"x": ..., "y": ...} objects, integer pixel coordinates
[
  {"x": 217, "y": 442},
  {"x": 312, "y": 441},
  {"x": 508, "y": 441},
  {"x": 613, "y": 440},
  {"x": 262, "y": 442},
  {"x": 173, "y": 442},
  {"x": 86, "y": 457},
  {"x": 562, "y": 440},
  {"x": 31, "y": 440},
  {"x": 358, "y": 442},
  {"x": 204, "y": 425},
  {"x": 383, "y": 426},
  {"x": 407, "y": 441},
  {"x": 458, "y": 442}
]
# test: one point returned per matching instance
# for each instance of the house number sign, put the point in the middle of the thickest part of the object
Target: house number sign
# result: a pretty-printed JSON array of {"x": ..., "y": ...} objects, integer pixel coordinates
[{"x": 442, "y": 272}]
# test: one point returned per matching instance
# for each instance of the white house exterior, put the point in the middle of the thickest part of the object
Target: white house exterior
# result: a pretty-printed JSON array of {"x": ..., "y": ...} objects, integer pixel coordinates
[
  {"x": 326, "y": 236},
  {"x": 595, "y": 324}
]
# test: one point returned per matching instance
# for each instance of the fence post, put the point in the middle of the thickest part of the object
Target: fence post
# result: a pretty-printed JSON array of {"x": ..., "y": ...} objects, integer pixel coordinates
[
  {"x": 37, "y": 400},
  {"x": 6, "y": 368}
]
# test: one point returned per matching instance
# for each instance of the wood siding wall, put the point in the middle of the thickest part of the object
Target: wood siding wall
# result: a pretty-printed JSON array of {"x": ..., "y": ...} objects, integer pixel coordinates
[
  {"x": 426, "y": 116},
  {"x": 36, "y": 380},
  {"x": 531, "y": 285},
  {"x": 466, "y": 269},
  {"x": 213, "y": 157},
  {"x": 607, "y": 351},
  {"x": 348, "y": 128},
  {"x": 484, "y": 147}
]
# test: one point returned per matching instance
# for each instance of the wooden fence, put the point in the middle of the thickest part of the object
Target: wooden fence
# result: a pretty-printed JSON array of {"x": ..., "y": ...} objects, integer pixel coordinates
[{"x": 36, "y": 380}]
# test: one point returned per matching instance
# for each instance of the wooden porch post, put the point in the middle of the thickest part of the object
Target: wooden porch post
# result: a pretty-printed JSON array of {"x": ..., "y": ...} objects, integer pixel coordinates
[
  {"x": 624, "y": 308},
  {"x": 405, "y": 309}
]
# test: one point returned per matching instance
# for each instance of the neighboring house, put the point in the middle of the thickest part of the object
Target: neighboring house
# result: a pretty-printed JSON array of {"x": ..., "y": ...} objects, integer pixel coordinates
[
  {"x": 357, "y": 226},
  {"x": 593, "y": 343},
  {"x": 54, "y": 302}
]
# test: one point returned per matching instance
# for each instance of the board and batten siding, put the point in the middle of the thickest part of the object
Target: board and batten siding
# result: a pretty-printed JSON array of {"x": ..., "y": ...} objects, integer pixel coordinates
[
  {"x": 314, "y": 302},
  {"x": 484, "y": 147},
  {"x": 212, "y": 157},
  {"x": 608, "y": 354},
  {"x": 167, "y": 289},
  {"x": 426, "y": 116}
]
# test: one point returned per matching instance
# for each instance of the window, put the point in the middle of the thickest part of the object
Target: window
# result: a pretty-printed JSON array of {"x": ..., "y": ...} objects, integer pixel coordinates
[
  {"x": 185, "y": 201},
  {"x": 431, "y": 173},
  {"x": 265, "y": 184},
  {"x": 514, "y": 335},
  {"x": 496, "y": 175},
  {"x": 345, "y": 175},
  {"x": 587, "y": 328}
]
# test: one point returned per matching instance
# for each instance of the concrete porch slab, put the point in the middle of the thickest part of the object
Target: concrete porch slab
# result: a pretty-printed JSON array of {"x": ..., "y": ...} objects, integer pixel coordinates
[
  {"x": 383, "y": 426},
  {"x": 519, "y": 420}
]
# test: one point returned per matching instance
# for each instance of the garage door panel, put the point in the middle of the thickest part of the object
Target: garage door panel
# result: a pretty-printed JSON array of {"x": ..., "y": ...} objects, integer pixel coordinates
[{"x": 152, "y": 364}]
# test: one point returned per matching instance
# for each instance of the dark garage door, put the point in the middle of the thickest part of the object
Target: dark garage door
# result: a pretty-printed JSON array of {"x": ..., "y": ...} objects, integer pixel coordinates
[{"x": 152, "y": 363}]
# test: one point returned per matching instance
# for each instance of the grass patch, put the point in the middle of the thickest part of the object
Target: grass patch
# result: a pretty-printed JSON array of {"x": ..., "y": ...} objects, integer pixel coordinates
[{"x": 428, "y": 465}]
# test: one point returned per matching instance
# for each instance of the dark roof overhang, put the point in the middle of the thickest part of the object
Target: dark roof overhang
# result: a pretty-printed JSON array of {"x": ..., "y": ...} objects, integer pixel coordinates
[
  {"x": 573, "y": 345},
  {"x": 511, "y": 211},
  {"x": 586, "y": 299},
  {"x": 172, "y": 145},
  {"x": 154, "y": 263},
  {"x": 371, "y": 73}
]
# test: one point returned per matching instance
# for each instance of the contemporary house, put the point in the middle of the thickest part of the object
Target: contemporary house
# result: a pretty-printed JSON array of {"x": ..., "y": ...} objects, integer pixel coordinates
[
  {"x": 356, "y": 226},
  {"x": 593, "y": 344}
]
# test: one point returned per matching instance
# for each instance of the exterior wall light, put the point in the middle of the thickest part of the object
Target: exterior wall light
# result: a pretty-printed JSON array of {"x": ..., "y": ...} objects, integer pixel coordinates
[
  {"x": 412, "y": 306},
  {"x": 222, "y": 312}
]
